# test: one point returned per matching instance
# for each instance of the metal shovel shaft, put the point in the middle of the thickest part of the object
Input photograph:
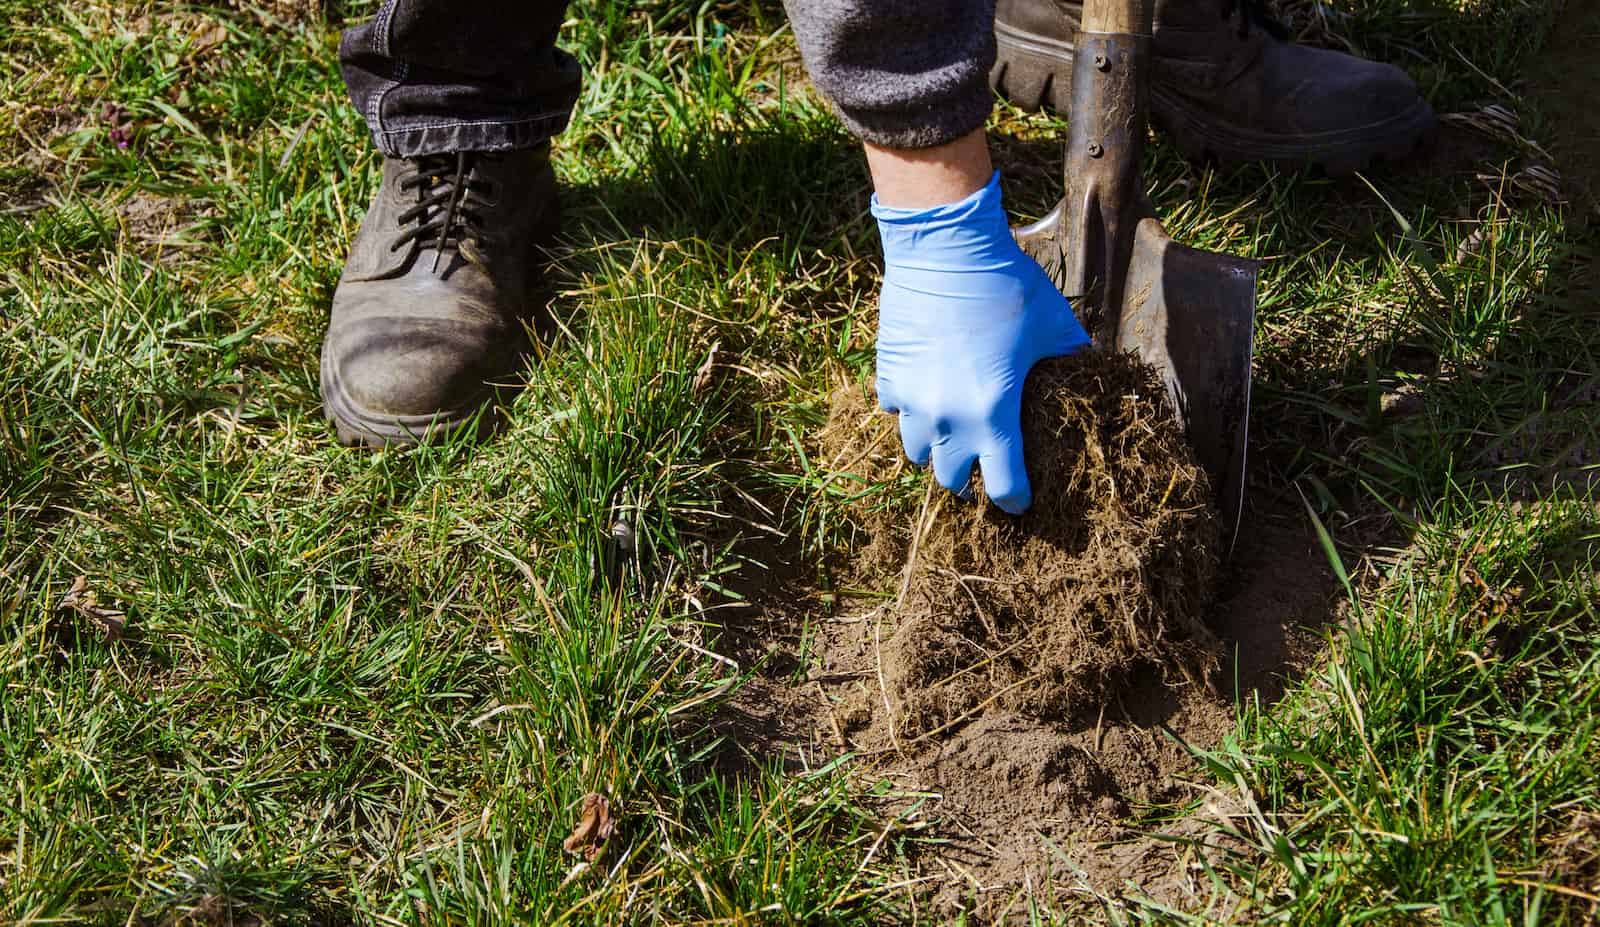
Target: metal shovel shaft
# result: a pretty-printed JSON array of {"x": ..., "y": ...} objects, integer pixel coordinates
[{"x": 1188, "y": 313}]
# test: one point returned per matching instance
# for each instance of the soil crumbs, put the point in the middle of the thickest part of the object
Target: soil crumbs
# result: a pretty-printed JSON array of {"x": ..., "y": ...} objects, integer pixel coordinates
[
  {"x": 1035, "y": 680},
  {"x": 1043, "y": 615}
]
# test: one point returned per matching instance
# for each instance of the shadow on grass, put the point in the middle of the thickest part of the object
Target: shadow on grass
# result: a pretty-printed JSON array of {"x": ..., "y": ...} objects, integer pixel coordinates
[{"x": 781, "y": 185}]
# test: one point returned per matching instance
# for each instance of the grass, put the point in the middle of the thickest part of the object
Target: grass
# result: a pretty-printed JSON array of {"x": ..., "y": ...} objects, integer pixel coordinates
[
  {"x": 1440, "y": 766},
  {"x": 374, "y": 688}
]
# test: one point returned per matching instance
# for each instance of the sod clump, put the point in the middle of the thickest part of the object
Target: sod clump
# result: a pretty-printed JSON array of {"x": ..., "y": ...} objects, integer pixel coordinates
[{"x": 1047, "y": 615}]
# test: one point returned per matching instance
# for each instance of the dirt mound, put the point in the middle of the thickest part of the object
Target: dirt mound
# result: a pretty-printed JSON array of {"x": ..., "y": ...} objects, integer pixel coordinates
[
  {"x": 1015, "y": 688},
  {"x": 1108, "y": 574}
]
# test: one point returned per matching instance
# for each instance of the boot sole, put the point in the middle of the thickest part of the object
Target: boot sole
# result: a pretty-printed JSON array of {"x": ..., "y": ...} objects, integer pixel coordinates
[
  {"x": 358, "y": 427},
  {"x": 1034, "y": 72},
  {"x": 1337, "y": 153}
]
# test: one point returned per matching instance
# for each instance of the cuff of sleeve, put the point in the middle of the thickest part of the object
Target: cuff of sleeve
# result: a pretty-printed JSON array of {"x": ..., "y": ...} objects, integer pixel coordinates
[{"x": 928, "y": 124}]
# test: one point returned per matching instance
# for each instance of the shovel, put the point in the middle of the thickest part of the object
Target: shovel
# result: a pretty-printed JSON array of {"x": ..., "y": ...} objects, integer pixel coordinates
[{"x": 1190, "y": 314}]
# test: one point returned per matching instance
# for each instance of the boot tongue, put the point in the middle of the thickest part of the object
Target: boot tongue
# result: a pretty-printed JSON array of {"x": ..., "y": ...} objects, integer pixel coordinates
[
  {"x": 445, "y": 213},
  {"x": 1205, "y": 16},
  {"x": 1254, "y": 14}
]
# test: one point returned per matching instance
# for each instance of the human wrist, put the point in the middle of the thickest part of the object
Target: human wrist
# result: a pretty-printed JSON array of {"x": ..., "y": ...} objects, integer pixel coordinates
[{"x": 920, "y": 178}]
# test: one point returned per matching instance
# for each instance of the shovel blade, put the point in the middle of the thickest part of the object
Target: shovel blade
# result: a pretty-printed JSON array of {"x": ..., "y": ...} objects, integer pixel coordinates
[{"x": 1191, "y": 315}]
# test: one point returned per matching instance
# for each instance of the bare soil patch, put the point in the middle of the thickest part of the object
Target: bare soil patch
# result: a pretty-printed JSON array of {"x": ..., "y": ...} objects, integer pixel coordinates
[
  {"x": 1565, "y": 84},
  {"x": 1035, "y": 681}
]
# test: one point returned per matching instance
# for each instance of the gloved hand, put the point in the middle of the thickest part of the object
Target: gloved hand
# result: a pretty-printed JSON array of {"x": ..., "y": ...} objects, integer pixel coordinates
[{"x": 964, "y": 315}]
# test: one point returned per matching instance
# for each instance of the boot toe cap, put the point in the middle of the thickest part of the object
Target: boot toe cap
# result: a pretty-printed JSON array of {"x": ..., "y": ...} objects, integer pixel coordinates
[
  {"x": 1344, "y": 95},
  {"x": 409, "y": 369}
]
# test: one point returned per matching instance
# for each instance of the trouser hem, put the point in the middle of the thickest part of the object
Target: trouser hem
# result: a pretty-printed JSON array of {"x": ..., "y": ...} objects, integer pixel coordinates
[{"x": 448, "y": 136}]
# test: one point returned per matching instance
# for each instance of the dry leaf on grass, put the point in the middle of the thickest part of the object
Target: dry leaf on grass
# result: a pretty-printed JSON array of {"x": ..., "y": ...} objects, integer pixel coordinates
[
  {"x": 81, "y": 599},
  {"x": 208, "y": 35},
  {"x": 595, "y": 827}
]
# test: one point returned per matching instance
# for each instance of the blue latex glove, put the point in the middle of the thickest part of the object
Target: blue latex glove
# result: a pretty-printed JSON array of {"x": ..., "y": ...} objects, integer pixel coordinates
[{"x": 963, "y": 317}]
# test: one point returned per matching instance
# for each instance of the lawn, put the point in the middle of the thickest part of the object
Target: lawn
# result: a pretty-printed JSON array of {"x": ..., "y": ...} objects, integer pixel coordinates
[{"x": 250, "y": 677}]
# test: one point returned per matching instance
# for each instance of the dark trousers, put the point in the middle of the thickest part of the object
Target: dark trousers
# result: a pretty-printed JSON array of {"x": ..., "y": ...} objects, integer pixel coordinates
[{"x": 435, "y": 76}]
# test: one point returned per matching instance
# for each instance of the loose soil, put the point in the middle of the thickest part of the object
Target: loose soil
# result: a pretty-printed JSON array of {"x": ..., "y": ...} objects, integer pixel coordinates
[
  {"x": 1035, "y": 681},
  {"x": 1044, "y": 615}
]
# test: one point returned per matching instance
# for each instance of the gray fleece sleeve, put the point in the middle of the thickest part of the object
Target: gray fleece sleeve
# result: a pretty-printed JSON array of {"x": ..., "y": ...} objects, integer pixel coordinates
[{"x": 900, "y": 73}]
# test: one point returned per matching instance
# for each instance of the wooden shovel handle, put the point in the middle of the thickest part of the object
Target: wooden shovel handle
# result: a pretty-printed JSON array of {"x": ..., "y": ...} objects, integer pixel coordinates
[{"x": 1124, "y": 17}]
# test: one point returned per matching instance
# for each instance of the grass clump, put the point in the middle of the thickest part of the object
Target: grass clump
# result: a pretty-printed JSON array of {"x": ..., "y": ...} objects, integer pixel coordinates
[{"x": 1446, "y": 749}]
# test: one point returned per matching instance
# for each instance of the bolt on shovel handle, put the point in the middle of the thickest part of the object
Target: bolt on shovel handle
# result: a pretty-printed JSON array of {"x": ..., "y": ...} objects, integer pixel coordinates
[
  {"x": 1124, "y": 17},
  {"x": 1085, "y": 244}
]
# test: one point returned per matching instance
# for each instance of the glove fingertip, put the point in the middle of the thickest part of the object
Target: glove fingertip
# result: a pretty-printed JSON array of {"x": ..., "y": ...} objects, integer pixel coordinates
[
  {"x": 1005, "y": 478},
  {"x": 1016, "y": 501},
  {"x": 886, "y": 398},
  {"x": 957, "y": 482},
  {"x": 953, "y": 470},
  {"x": 1073, "y": 337},
  {"x": 916, "y": 438}
]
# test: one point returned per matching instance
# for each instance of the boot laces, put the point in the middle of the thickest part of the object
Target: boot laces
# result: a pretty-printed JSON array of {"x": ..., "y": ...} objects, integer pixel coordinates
[
  {"x": 1253, "y": 13},
  {"x": 448, "y": 213}
]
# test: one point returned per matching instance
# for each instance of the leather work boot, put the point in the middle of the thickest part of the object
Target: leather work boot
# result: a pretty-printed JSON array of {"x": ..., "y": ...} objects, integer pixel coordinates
[
  {"x": 429, "y": 317},
  {"x": 1227, "y": 84}
]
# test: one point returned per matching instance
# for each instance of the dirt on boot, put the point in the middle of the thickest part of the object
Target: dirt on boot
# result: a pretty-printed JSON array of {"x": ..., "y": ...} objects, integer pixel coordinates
[{"x": 1107, "y": 575}]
